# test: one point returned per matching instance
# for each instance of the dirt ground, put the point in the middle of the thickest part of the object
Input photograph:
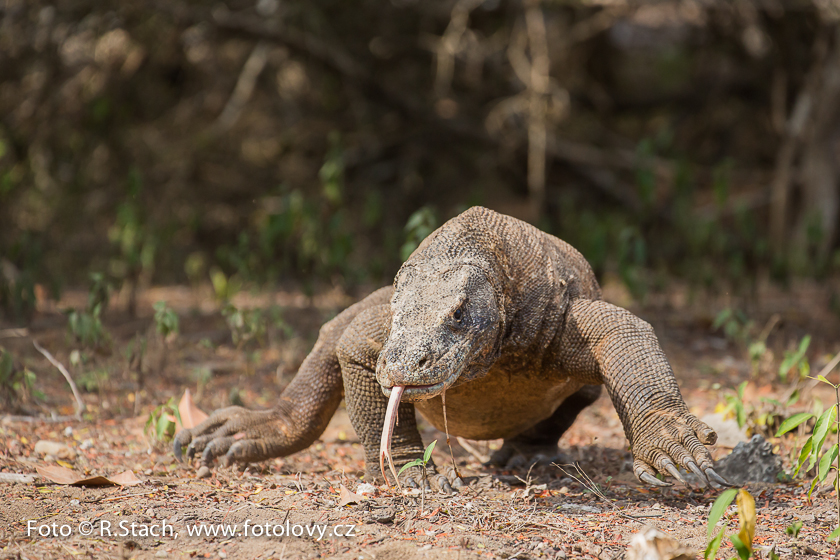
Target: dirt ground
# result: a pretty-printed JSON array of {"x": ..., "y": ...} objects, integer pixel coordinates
[{"x": 544, "y": 513}]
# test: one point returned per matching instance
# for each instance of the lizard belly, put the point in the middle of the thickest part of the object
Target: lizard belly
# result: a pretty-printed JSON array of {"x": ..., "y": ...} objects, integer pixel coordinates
[{"x": 501, "y": 404}]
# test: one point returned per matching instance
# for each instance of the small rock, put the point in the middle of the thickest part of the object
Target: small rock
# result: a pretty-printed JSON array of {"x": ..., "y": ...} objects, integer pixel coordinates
[
  {"x": 578, "y": 508},
  {"x": 223, "y": 555},
  {"x": 563, "y": 490},
  {"x": 652, "y": 544},
  {"x": 366, "y": 489},
  {"x": 55, "y": 449},
  {"x": 161, "y": 554},
  {"x": 68, "y": 431},
  {"x": 203, "y": 472},
  {"x": 86, "y": 444},
  {"x": 382, "y": 515},
  {"x": 753, "y": 461}
]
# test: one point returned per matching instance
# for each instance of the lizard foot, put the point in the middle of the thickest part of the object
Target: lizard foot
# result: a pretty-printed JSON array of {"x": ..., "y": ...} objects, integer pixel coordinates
[
  {"x": 666, "y": 440},
  {"x": 447, "y": 483},
  {"x": 236, "y": 435}
]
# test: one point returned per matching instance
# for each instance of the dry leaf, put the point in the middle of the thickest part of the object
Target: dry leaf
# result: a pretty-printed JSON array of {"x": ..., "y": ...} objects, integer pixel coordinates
[
  {"x": 348, "y": 497},
  {"x": 61, "y": 475},
  {"x": 746, "y": 516},
  {"x": 653, "y": 544},
  {"x": 191, "y": 415}
]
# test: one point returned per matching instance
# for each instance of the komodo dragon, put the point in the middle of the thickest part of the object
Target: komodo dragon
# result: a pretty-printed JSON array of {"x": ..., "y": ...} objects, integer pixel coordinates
[{"x": 504, "y": 323}]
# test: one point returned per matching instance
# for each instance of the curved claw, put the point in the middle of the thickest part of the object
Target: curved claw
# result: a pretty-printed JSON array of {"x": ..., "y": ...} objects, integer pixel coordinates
[
  {"x": 653, "y": 481},
  {"x": 445, "y": 486},
  {"x": 458, "y": 483},
  {"x": 673, "y": 471},
  {"x": 692, "y": 466},
  {"x": 411, "y": 483},
  {"x": 716, "y": 478}
]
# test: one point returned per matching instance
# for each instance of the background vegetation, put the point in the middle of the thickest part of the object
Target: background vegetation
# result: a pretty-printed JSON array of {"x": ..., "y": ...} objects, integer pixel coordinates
[{"x": 270, "y": 141}]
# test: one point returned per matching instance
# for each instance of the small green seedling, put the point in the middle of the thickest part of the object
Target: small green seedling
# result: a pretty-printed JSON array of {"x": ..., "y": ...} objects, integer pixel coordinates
[
  {"x": 166, "y": 321},
  {"x": 796, "y": 360},
  {"x": 160, "y": 426},
  {"x": 793, "y": 529},
  {"x": 422, "y": 463}
]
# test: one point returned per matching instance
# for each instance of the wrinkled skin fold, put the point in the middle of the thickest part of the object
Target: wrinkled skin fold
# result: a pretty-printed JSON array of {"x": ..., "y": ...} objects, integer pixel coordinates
[{"x": 509, "y": 322}]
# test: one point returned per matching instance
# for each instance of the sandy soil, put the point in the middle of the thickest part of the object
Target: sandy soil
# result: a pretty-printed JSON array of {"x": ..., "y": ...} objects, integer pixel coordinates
[{"x": 544, "y": 513}]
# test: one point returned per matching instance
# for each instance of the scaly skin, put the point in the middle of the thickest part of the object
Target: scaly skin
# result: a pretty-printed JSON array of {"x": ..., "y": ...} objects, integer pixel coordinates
[{"x": 505, "y": 320}]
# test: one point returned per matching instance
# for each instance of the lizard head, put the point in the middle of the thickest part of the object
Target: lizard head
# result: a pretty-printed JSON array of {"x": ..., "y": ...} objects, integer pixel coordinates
[{"x": 445, "y": 327}]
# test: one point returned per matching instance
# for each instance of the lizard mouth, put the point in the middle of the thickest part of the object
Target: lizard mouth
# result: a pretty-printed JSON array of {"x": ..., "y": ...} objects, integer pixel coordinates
[{"x": 413, "y": 393}]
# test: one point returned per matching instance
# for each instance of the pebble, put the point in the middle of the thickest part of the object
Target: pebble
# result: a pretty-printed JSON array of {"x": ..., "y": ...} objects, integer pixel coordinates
[
  {"x": 203, "y": 472},
  {"x": 366, "y": 489},
  {"x": 161, "y": 554},
  {"x": 55, "y": 449}
]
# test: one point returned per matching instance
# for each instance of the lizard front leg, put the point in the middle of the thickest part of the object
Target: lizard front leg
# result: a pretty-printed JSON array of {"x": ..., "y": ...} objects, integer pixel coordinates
[
  {"x": 602, "y": 343},
  {"x": 235, "y": 434},
  {"x": 358, "y": 351}
]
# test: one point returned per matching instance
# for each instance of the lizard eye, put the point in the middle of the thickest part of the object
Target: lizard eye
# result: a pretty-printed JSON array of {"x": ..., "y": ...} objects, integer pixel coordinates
[{"x": 458, "y": 315}]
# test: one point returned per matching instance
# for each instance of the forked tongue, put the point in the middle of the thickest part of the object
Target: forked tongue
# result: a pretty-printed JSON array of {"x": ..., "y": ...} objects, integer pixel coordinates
[{"x": 388, "y": 432}]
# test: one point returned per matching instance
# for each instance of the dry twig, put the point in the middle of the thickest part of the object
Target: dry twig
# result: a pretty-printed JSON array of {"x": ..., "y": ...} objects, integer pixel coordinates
[{"x": 80, "y": 405}]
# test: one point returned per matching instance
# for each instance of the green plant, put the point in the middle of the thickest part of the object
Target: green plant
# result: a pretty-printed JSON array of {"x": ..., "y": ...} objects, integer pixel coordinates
[
  {"x": 746, "y": 518},
  {"x": 812, "y": 450},
  {"x": 735, "y": 404},
  {"x": 793, "y": 529},
  {"x": 93, "y": 380},
  {"x": 796, "y": 360},
  {"x": 763, "y": 418},
  {"x": 735, "y": 325},
  {"x": 246, "y": 325},
  {"x": 86, "y": 325},
  {"x": 166, "y": 321},
  {"x": 422, "y": 463},
  {"x": 420, "y": 224},
  {"x": 162, "y": 422},
  {"x": 16, "y": 383},
  {"x": 224, "y": 287}
]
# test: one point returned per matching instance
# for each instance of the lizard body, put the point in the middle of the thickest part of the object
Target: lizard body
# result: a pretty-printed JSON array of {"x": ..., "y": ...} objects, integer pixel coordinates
[{"x": 507, "y": 324}]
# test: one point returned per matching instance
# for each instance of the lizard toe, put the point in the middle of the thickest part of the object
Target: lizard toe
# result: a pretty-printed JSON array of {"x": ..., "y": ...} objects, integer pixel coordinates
[
  {"x": 216, "y": 447},
  {"x": 646, "y": 474},
  {"x": 715, "y": 479},
  {"x": 441, "y": 483}
]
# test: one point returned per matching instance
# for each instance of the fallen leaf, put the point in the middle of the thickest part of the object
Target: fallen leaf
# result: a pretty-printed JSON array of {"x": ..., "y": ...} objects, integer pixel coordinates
[
  {"x": 653, "y": 544},
  {"x": 191, "y": 415},
  {"x": 746, "y": 516},
  {"x": 348, "y": 497},
  {"x": 61, "y": 475}
]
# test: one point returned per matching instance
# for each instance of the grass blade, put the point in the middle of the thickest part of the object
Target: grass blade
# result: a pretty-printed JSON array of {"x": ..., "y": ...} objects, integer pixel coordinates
[{"x": 720, "y": 506}]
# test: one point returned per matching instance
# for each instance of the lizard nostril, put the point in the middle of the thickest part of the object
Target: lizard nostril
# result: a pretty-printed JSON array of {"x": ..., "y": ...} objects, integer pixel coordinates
[{"x": 423, "y": 361}]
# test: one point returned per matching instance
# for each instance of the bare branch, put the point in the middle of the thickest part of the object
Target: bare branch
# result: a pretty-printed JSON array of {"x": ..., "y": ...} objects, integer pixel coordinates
[{"x": 80, "y": 405}]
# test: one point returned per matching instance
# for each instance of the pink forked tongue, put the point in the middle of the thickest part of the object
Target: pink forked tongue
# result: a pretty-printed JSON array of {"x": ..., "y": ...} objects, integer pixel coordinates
[{"x": 388, "y": 432}]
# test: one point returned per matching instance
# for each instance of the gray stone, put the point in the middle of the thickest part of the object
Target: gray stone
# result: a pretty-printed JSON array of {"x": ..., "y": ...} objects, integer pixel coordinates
[{"x": 752, "y": 461}]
